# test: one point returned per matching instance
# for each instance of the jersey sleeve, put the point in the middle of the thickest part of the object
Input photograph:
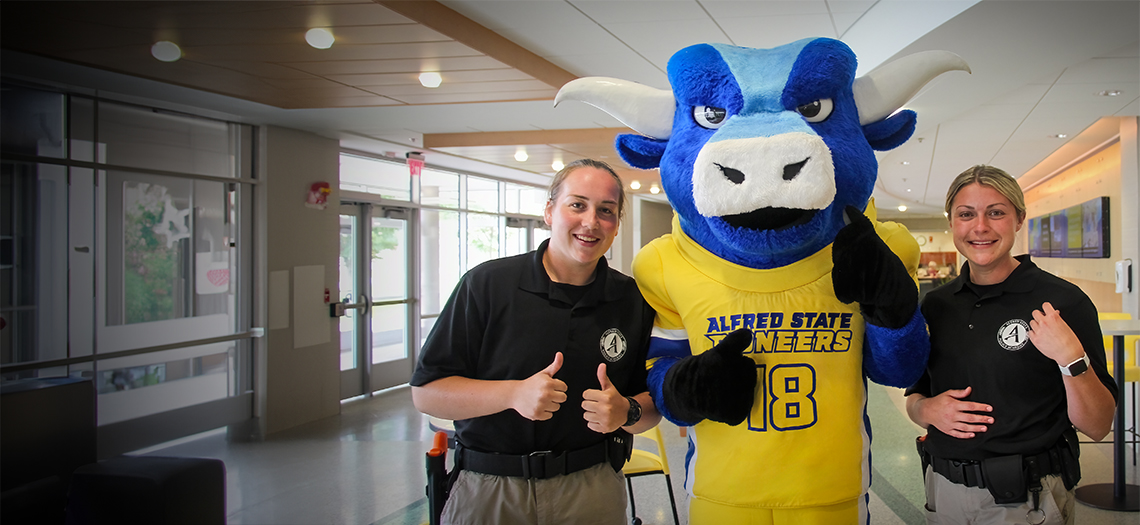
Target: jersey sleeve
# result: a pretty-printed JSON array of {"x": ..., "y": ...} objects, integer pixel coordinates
[{"x": 669, "y": 343}]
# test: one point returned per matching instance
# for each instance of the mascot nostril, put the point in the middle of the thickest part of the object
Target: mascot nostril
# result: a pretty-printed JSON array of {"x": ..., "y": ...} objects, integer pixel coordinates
[
  {"x": 823, "y": 306},
  {"x": 734, "y": 175},
  {"x": 791, "y": 170}
]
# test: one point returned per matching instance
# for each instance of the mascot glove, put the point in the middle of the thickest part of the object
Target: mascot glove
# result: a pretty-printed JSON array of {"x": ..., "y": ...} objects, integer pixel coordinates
[
  {"x": 868, "y": 272},
  {"x": 719, "y": 384}
]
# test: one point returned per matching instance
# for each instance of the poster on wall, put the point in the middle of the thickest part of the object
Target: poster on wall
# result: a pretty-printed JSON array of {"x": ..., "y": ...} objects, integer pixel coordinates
[{"x": 1079, "y": 231}]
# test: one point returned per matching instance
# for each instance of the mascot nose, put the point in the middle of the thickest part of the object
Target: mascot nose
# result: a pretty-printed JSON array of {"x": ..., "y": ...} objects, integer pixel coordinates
[
  {"x": 791, "y": 170},
  {"x": 737, "y": 176},
  {"x": 734, "y": 175}
]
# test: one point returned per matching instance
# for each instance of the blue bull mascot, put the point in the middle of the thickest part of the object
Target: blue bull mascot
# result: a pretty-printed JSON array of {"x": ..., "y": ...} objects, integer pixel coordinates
[{"x": 778, "y": 293}]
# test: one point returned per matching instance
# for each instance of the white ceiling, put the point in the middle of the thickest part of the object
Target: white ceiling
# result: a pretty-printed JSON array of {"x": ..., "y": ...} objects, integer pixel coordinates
[{"x": 1037, "y": 67}]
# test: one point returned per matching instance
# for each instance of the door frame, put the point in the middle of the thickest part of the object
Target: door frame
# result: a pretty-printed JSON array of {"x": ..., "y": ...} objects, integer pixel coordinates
[{"x": 366, "y": 377}]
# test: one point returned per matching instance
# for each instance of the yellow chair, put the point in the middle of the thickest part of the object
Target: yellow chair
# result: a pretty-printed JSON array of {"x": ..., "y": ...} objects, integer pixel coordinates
[
  {"x": 1131, "y": 370},
  {"x": 642, "y": 463}
]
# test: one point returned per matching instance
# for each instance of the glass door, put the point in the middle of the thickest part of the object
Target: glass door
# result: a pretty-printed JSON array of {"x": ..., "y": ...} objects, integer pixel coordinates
[{"x": 374, "y": 333}]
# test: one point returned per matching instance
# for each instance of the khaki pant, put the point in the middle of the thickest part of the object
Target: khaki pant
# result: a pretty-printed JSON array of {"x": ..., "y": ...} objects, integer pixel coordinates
[
  {"x": 949, "y": 503},
  {"x": 592, "y": 496}
]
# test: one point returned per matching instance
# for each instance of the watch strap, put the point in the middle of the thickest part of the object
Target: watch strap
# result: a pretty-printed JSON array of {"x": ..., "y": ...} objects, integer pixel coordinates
[
  {"x": 634, "y": 414},
  {"x": 1077, "y": 367}
]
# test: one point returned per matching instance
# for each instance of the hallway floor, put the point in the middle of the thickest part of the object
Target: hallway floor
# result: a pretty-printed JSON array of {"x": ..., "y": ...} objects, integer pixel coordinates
[{"x": 366, "y": 467}]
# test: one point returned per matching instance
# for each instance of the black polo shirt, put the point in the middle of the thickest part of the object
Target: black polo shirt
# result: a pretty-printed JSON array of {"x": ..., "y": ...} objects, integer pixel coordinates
[
  {"x": 978, "y": 339},
  {"x": 506, "y": 319}
]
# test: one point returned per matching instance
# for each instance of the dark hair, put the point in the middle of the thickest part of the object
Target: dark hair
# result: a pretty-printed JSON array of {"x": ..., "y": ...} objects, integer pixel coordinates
[
  {"x": 560, "y": 177},
  {"x": 995, "y": 178}
]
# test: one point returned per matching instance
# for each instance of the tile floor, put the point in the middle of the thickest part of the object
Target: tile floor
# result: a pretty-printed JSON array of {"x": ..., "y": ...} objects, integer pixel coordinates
[{"x": 366, "y": 467}]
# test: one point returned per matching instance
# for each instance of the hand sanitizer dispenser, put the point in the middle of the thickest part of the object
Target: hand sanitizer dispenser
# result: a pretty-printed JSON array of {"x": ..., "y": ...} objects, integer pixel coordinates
[{"x": 1124, "y": 276}]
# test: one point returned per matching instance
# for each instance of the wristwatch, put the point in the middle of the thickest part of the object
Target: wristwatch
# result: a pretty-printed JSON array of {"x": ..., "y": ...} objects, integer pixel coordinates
[
  {"x": 634, "y": 412},
  {"x": 1077, "y": 367}
]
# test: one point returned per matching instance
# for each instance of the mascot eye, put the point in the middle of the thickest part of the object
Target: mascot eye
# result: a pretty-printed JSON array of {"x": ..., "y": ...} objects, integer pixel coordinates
[
  {"x": 709, "y": 117},
  {"x": 817, "y": 111}
]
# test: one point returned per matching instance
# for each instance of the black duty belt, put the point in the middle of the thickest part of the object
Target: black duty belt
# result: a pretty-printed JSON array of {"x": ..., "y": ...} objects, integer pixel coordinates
[
  {"x": 969, "y": 472},
  {"x": 544, "y": 465}
]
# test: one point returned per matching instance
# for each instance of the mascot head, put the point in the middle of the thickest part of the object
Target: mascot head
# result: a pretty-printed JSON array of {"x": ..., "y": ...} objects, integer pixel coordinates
[{"x": 760, "y": 150}]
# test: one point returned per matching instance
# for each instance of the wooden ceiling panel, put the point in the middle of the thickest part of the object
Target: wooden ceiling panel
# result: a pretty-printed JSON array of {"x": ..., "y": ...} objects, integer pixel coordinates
[
  {"x": 264, "y": 70},
  {"x": 340, "y": 102},
  {"x": 238, "y": 15},
  {"x": 457, "y": 98},
  {"x": 387, "y": 34},
  {"x": 393, "y": 79},
  {"x": 302, "y": 52},
  {"x": 257, "y": 51},
  {"x": 358, "y": 67},
  {"x": 451, "y": 88}
]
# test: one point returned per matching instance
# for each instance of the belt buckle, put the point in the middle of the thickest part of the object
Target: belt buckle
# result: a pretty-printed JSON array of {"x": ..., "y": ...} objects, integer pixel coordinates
[{"x": 541, "y": 455}]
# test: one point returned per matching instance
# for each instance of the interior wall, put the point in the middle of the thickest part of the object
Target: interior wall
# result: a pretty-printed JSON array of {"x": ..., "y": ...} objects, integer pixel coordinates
[
  {"x": 656, "y": 219},
  {"x": 300, "y": 384},
  {"x": 1130, "y": 209},
  {"x": 1096, "y": 176}
]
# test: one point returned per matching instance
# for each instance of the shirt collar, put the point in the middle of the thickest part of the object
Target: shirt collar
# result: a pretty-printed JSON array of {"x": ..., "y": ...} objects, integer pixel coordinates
[
  {"x": 1018, "y": 281},
  {"x": 536, "y": 280}
]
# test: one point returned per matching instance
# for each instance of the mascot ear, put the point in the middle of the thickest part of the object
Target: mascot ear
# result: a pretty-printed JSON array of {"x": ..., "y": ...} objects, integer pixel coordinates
[
  {"x": 640, "y": 151},
  {"x": 891, "y": 132}
]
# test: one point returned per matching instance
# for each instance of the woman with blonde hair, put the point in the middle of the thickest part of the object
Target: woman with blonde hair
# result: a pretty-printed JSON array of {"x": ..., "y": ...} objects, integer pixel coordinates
[{"x": 1016, "y": 361}]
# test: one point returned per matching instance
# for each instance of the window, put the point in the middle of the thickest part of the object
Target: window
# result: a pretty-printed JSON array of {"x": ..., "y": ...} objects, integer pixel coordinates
[{"x": 120, "y": 256}]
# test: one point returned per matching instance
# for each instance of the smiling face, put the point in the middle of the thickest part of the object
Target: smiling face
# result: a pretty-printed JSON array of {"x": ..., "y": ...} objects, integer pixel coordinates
[
  {"x": 583, "y": 219},
  {"x": 984, "y": 223}
]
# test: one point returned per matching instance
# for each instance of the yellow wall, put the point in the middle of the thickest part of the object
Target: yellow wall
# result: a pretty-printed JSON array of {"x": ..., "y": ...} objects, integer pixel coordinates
[{"x": 1097, "y": 176}]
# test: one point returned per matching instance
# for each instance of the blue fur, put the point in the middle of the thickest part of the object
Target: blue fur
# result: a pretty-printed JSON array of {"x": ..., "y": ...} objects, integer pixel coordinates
[
  {"x": 890, "y": 133},
  {"x": 640, "y": 151},
  {"x": 805, "y": 71},
  {"x": 896, "y": 357}
]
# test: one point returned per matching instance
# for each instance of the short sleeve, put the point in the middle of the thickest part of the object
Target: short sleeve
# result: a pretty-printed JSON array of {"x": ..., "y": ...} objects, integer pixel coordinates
[
  {"x": 649, "y": 273},
  {"x": 452, "y": 347}
]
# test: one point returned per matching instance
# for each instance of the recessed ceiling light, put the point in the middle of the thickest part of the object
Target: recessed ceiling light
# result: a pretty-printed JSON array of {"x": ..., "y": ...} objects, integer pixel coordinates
[
  {"x": 430, "y": 79},
  {"x": 166, "y": 51},
  {"x": 654, "y": 189},
  {"x": 635, "y": 185},
  {"x": 902, "y": 207},
  {"x": 557, "y": 165},
  {"x": 1109, "y": 93},
  {"x": 905, "y": 163},
  {"x": 1059, "y": 136},
  {"x": 521, "y": 155},
  {"x": 908, "y": 190},
  {"x": 319, "y": 38}
]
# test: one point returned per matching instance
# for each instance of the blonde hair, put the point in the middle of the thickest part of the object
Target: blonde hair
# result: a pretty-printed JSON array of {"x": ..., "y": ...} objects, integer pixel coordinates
[
  {"x": 560, "y": 177},
  {"x": 995, "y": 178}
]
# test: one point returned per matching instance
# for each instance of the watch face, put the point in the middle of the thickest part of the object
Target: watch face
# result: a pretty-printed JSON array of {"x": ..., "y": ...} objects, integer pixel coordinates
[{"x": 1078, "y": 368}]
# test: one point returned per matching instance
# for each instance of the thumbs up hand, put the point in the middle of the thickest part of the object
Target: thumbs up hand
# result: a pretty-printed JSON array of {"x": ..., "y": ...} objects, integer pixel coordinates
[
  {"x": 605, "y": 409},
  {"x": 539, "y": 396}
]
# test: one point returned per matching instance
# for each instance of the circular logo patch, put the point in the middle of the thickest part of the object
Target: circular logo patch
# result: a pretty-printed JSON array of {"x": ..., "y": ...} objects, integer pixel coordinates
[
  {"x": 1013, "y": 335},
  {"x": 613, "y": 345}
]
